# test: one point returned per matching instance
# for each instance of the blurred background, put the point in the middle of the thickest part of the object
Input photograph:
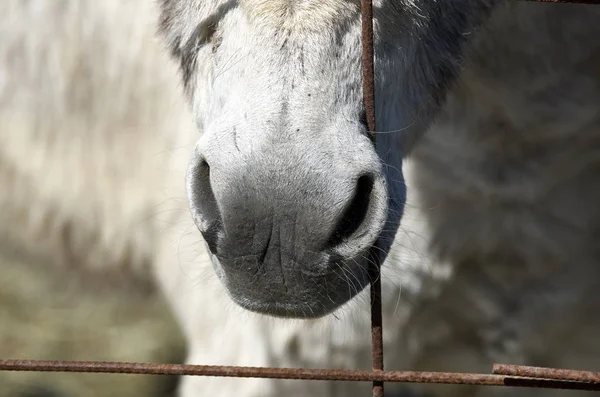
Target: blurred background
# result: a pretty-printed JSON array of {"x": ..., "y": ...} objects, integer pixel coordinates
[{"x": 90, "y": 108}]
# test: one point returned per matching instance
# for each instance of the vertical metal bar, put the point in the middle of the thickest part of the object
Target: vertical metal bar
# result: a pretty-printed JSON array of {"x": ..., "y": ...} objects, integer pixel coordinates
[
  {"x": 368, "y": 64},
  {"x": 374, "y": 270},
  {"x": 376, "y": 320}
]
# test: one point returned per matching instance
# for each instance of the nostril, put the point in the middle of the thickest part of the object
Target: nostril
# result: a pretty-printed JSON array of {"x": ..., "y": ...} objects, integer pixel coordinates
[
  {"x": 205, "y": 205},
  {"x": 211, "y": 236},
  {"x": 355, "y": 213}
]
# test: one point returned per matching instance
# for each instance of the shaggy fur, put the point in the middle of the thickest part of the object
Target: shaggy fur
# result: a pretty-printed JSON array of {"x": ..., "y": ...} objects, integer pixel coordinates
[
  {"x": 78, "y": 103},
  {"x": 90, "y": 109}
]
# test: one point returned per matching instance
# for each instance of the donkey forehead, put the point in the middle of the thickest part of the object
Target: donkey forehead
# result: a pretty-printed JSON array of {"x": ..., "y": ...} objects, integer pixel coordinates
[{"x": 300, "y": 14}]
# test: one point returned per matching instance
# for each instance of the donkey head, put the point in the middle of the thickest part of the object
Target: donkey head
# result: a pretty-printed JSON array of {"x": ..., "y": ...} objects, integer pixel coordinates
[{"x": 285, "y": 184}]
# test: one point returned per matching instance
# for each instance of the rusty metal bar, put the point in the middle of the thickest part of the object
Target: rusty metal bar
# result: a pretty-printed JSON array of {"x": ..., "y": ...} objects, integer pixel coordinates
[
  {"x": 291, "y": 373},
  {"x": 368, "y": 61},
  {"x": 368, "y": 79},
  {"x": 546, "y": 373},
  {"x": 376, "y": 321}
]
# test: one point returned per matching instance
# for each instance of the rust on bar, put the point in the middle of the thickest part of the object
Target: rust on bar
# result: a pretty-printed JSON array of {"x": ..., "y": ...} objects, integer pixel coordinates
[
  {"x": 376, "y": 320},
  {"x": 250, "y": 372},
  {"x": 368, "y": 77},
  {"x": 546, "y": 373},
  {"x": 289, "y": 373}
]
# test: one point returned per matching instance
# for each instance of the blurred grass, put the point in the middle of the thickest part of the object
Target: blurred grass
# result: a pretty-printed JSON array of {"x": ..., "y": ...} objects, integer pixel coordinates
[{"x": 47, "y": 315}]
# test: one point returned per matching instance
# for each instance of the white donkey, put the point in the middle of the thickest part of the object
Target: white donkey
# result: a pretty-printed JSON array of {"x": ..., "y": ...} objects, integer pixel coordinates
[
  {"x": 495, "y": 258},
  {"x": 290, "y": 194},
  {"x": 94, "y": 144}
]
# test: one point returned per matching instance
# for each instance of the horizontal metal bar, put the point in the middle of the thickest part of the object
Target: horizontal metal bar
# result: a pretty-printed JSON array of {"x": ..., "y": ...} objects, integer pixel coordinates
[
  {"x": 546, "y": 373},
  {"x": 290, "y": 373}
]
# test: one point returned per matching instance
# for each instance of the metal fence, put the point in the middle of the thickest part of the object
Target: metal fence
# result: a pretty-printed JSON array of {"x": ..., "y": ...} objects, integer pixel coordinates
[{"x": 501, "y": 375}]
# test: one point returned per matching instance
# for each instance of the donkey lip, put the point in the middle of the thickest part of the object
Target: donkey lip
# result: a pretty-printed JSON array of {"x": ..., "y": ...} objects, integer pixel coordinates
[
  {"x": 296, "y": 297},
  {"x": 285, "y": 310}
]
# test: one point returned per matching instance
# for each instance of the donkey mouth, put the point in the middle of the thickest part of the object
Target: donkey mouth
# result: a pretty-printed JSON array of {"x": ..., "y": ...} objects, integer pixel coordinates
[{"x": 301, "y": 294}]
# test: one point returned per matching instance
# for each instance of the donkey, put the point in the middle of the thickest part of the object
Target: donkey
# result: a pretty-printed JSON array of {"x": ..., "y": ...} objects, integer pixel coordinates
[
  {"x": 491, "y": 124},
  {"x": 492, "y": 109},
  {"x": 94, "y": 136}
]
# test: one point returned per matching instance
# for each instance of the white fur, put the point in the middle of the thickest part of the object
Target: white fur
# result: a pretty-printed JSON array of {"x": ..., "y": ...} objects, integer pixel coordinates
[{"x": 85, "y": 92}]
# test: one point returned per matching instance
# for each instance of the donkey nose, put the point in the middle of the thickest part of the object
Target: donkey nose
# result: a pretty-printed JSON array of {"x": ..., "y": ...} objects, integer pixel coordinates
[
  {"x": 287, "y": 229},
  {"x": 203, "y": 204},
  {"x": 315, "y": 209},
  {"x": 354, "y": 212},
  {"x": 331, "y": 221}
]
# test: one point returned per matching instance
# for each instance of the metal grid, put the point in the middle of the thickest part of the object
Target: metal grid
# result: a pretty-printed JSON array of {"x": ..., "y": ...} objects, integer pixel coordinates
[{"x": 502, "y": 374}]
